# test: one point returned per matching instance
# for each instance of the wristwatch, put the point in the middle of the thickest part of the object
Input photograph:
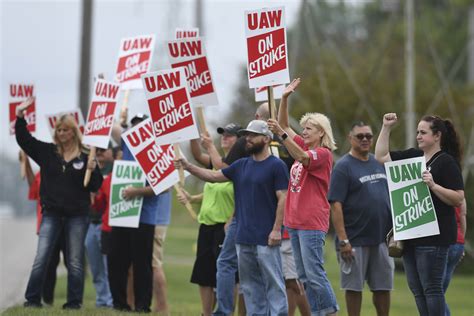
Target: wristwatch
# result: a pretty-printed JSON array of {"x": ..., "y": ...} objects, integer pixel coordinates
[
  {"x": 284, "y": 136},
  {"x": 343, "y": 243}
]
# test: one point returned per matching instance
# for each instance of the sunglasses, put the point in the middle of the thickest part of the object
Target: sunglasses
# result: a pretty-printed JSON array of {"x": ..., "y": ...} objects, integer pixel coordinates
[{"x": 362, "y": 136}]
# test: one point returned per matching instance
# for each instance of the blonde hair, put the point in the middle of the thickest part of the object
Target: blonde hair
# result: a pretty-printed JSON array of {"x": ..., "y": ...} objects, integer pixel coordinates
[
  {"x": 321, "y": 121},
  {"x": 67, "y": 121}
]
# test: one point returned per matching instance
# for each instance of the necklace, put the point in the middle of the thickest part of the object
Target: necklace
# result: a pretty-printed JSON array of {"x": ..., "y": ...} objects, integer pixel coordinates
[{"x": 428, "y": 167}]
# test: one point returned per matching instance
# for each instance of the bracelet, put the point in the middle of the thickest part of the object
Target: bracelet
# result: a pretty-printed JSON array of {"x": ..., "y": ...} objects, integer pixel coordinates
[{"x": 284, "y": 136}]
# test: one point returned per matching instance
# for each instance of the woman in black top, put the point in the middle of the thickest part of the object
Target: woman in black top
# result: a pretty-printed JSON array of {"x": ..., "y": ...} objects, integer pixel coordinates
[
  {"x": 65, "y": 202},
  {"x": 425, "y": 258}
]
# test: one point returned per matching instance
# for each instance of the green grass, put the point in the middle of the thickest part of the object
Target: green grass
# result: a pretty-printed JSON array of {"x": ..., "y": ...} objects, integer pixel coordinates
[{"x": 184, "y": 297}]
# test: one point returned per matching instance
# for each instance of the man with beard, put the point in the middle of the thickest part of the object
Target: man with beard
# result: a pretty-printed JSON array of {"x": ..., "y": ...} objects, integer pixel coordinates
[
  {"x": 361, "y": 217},
  {"x": 260, "y": 183}
]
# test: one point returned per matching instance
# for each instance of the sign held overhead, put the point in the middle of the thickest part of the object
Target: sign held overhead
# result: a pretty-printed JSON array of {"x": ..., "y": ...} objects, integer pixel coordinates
[
  {"x": 267, "y": 56},
  {"x": 134, "y": 60}
]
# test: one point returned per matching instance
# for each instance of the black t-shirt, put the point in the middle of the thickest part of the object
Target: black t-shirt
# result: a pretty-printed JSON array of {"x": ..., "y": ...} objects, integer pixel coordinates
[{"x": 446, "y": 173}]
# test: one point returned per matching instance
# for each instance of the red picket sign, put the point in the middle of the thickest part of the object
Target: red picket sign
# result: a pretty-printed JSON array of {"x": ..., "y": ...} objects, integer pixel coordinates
[
  {"x": 266, "y": 47},
  {"x": 187, "y": 32},
  {"x": 18, "y": 94},
  {"x": 170, "y": 106},
  {"x": 101, "y": 114},
  {"x": 191, "y": 55},
  {"x": 134, "y": 60},
  {"x": 155, "y": 160}
]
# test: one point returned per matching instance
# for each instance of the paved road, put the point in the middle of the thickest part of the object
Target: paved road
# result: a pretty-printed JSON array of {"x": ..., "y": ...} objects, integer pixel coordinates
[{"x": 17, "y": 251}]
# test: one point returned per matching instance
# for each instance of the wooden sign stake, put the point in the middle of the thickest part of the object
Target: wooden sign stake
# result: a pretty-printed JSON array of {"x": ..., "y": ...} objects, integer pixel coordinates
[
  {"x": 177, "y": 153},
  {"x": 271, "y": 102},
  {"x": 188, "y": 205}
]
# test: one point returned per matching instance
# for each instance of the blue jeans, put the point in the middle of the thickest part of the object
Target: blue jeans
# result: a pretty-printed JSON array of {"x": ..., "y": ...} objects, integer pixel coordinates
[
  {"x": 98, "y": 265},
  {"x": 226, "y": 269},
  {"x": 454, "y": 256},
  {"x": 308, "y": 248},
  {"x": 75, "y": 228},
  {"x": 261, "y": 279},
  {"x": 424, "y": 268}
]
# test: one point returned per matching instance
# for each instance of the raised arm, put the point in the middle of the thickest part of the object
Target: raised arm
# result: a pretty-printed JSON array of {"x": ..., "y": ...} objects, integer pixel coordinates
[
  {"x": 283, "y": 110},
  {"x": 214, "y": 155},
  {"x": 198, "y": 155},
  {"x": 293, "y": 148},
  {"x": 382, "y": 147},
  {"x": 274, "y": 238},
  {"x": 203, "y": 174},
  {"x": 30, "y": 145}
]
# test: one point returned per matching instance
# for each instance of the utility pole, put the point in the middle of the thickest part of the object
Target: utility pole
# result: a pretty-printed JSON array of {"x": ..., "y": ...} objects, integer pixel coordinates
[
  {"x": 199, "y": 16},
  {"x": 84, "y": 66},
  {"x": 470, "y": 51},
  {"x": 469, "y": 158},
  {"x": 410, "y": 75}
]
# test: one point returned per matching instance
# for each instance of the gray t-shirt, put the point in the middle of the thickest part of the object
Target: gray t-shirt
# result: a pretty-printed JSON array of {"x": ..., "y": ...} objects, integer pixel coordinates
[{"x": 361, "y": 188}]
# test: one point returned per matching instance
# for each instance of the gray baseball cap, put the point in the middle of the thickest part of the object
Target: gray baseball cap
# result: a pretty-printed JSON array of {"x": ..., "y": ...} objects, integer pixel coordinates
[{"x": 257, "y": 127}]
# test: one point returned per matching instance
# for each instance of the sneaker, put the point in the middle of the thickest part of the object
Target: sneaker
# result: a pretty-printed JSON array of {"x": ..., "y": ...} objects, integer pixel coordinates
[
  {"x": 72, "y": 306},
  {"x": 32, "y": 304}
]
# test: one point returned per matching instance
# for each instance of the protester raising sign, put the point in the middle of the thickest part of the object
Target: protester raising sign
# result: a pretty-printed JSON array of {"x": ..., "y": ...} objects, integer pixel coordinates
[
  {"x": 18, "y": 94},
  {"x": 190, "y": 54},
  {"x": 125, "y": 213},
  {"x": 156, "y": 161},
  {"x": 170, "y": 107},
  {"x": 52, "y": 118},
  {"x": 134, "y": 60},
  {"x": 266, "y": 47},
  {"x": 101, "y": 114},
  {"x": 187, "y": 32},
  {"x": 413, "y": 213},
  {"x": 261, "y": 93}
]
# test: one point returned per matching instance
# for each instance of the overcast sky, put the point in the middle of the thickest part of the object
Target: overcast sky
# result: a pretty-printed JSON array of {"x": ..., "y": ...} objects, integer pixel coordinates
[{"x": 40, "y": 44}]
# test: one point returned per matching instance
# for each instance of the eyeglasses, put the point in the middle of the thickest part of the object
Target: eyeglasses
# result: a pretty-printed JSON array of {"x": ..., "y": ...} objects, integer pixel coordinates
[{"x": 362, "y": 136}]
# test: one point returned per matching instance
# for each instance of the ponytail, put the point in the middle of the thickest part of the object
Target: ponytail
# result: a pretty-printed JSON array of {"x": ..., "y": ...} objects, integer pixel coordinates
[{"x": 450, "y": 142}]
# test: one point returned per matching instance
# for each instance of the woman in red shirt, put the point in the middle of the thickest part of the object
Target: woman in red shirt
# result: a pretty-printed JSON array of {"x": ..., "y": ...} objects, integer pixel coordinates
[{"x": 307, "y": 208}]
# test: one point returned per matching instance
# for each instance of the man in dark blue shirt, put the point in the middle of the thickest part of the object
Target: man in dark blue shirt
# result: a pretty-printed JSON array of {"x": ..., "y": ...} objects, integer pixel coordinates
[{"x": 260, "y": 184}]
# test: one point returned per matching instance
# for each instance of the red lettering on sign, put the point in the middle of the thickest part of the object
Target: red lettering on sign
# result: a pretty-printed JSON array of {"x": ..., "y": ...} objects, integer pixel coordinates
[
  {"x": 103, "y": 89},
  {"x": 163, "y": 81},
  {"x": 186, "y": 34},
  {"x": 263, "y": 20},
  {"x": 136, "y": 43},
  {"x": 140, "y": 135},
  {"x": 21, "y": 91},
  {"x": 185, "y": 49}
]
